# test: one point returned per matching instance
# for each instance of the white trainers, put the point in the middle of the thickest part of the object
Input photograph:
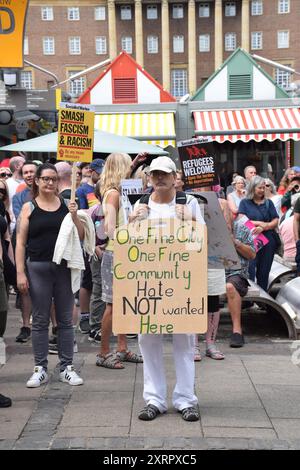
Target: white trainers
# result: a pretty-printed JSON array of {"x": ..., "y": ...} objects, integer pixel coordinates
[
  {"x": 70, "y": 377},
  {"x": 38, "y": 377}
]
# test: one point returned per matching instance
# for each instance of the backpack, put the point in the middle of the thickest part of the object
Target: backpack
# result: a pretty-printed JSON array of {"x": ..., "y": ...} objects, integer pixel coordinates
[{"x": 181, "y": 198}]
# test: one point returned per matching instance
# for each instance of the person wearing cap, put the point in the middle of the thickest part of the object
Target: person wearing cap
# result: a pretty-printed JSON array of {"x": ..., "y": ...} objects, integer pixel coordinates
[
  {"x": 85, "y": 193},
  {"x": 162, "y": 203}
]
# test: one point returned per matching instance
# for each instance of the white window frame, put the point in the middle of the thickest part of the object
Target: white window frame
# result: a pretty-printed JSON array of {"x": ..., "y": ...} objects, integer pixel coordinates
[
  {"x": 204, "y": 10},
  {"x": 26, "y": 46},
  {"x": 73, "y": 13},
  {"x": 256, "y": 40},
  {"x": 257, "y": 8},
  {"x": 152, "y": 12},
  {"x": 230, "y": 9},
  {"x": 178, "y": 44},
  {"x": 177, "y": 11},
  {"x": 283, "y": 44},
  {"x": 204, "y": 43},
  {"x": 26, "y": 79},
  {"x": 78, "y": 86},
  {"x": 74, "y": 45},
  {"x": 284, "y": 7},
  {"x": 283, "y": 78},
  {"x": 152, "y": 44},
  {"x": 100, "y": 13},
  {"x": 127, "y": 44},
  {"x": 48, "y": 45},
  {"x": 179, "y": 82},
  {"x": 47, "y": 14},
  {"x": 230, "y": 42},
  {"x": 126, "y": 12},
  {"x": 101, "y": 45}
]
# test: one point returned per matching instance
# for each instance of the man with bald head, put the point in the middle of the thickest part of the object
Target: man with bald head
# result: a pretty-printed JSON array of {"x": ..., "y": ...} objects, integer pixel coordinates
[{"x": 64, "y": 171}]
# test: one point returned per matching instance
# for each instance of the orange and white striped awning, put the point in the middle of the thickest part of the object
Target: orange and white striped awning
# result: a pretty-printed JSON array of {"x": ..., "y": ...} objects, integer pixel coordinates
[{"x": 249, "y": 124}]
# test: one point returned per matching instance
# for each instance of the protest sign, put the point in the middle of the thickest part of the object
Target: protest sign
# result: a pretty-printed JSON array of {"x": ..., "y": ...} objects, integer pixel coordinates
[
  {"x": 198, "y": 162},
  {"x": 75, "y": 133},
  {"x": 160, "y": 277},
  {"x": 128, "y": 187}
]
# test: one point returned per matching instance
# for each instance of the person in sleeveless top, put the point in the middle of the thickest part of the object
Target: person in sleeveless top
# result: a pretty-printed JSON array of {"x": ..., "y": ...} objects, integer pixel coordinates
[
  {"x": 118, "y": 166},
  {"x": 37, "y": 230}
]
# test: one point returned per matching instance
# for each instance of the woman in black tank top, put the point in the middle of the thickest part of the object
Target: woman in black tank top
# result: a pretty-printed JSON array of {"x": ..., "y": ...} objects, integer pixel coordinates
[{"x": 38, "y": 228}]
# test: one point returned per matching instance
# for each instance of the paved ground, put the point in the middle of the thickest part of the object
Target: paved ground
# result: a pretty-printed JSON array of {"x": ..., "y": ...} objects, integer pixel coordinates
[{"x": 248, "y": 401}]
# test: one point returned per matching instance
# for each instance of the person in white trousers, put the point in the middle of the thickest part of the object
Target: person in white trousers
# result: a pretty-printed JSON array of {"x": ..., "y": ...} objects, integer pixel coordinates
[{"x": 162, "y": 204}]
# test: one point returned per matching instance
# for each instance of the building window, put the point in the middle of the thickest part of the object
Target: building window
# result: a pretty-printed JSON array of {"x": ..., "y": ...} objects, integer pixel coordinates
[
  {"x": 152, "y": 12},
  {"x": 256, "y": 7},
  {"x": 204, "y": 10},
  {"x": 179, "y": 82},
  {"x": 283, "y": 78},
  {"x": 126, "y": 43},
  {"x": 26, "y": 79},
  {"x": 256, "y": 40},
  {"x": 230, "y": 42},
  {"x": 74, "y": 45},
  {"x": 26, "y": 46},
  {"x": 283, "y": 39},
  {"x": 178, "y": 44},
  {"x": 76, "y": 87},
  {"x": 126, "y": 12},
  {"x": 204, "y": 43},
  {"x": 47, "y": 13},
  {"x": 99, "y": 14},
  {"x": 48, "y": 46},
  {"x": 283, "y": 6},
  {"x": 101, "y": 45},
  {"x": 152, "y": 45},
  {"x": 73, "y": 14},
  {"x": 230, "y": 9},
  {"x": 177, "y": 11}
]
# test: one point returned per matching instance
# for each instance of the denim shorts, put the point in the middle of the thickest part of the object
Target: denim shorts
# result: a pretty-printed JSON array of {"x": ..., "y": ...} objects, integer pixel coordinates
[{"x": 107, "y": 276}]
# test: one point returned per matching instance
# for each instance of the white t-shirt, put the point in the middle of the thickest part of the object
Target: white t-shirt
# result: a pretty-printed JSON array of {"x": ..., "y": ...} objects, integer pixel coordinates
[{"x": 167, "y": 211}]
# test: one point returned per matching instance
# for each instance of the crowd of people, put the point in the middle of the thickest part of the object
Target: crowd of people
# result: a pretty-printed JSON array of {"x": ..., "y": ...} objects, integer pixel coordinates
[{"x": 47, "y": 239}]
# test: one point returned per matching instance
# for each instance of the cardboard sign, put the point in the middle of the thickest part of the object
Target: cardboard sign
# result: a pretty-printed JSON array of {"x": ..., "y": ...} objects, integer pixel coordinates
[
  {"x": 197, "y": 160},
  {"x": 160, "y": 277},
  {"x": 75, "y": 133},
  {"x": 12, "y": 26}
]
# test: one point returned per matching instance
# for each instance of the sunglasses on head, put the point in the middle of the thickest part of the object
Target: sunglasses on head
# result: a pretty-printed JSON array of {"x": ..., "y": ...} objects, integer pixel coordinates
[{"x": 5, "y": 175}]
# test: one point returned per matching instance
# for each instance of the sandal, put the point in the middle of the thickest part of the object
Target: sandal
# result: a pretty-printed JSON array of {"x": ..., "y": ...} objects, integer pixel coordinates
[
  {"x": 190, "y": 414},
  {"x": 129, "y": 356},
  {"x": 149, "y": 413},
  {"x": 110, "y": 361},
  {"x": 213, "y": 352},
  {"x": 197, "y": 354}
]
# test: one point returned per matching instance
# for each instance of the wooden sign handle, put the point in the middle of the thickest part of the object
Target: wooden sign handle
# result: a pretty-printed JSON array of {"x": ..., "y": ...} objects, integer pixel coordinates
[{"x": 73, "y": 187}]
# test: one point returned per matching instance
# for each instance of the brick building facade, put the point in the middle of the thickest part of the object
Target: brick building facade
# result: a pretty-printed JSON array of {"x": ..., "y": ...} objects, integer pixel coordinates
[{"x": 180, "y": 43}]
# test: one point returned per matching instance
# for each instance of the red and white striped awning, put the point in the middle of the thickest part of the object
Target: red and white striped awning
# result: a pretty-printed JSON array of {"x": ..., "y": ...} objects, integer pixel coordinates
[{"x": 249, "y": 124}]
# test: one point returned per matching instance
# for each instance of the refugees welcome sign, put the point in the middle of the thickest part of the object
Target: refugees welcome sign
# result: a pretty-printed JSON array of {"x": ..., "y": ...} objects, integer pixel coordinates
[
  {"x": 160, "y": 277},
  {"x": 198, "y": 162}
]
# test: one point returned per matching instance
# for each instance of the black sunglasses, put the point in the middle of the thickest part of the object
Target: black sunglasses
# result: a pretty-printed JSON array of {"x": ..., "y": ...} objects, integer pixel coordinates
[{"x": 5, "y": 175}]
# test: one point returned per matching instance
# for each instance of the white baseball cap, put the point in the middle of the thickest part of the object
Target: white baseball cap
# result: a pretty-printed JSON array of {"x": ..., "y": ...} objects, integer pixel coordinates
[{"x": 164, "y": 164}]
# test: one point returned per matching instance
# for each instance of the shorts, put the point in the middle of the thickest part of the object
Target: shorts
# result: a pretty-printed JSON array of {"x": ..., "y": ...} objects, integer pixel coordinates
[
  {"x": 86, "y": 280},
  {"x": 107, "y": 277},
  {"x": 240, "y": 283}
]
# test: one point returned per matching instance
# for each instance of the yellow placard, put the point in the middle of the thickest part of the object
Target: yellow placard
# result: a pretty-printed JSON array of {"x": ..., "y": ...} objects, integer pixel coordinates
[
  {"x": 12, "y": 25},
  {"x": 160, "y": 277},
  {"x": 75, "y": 135}
]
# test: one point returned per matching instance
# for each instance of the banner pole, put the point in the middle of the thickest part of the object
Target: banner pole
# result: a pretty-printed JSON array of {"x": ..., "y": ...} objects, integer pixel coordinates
[{"x": 73, "y": 187}]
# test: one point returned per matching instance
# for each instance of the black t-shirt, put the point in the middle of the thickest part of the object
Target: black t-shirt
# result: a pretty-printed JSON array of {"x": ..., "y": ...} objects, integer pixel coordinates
[
  {"x": 297, "y": 211},
  {"x": 43, "y": 230}
]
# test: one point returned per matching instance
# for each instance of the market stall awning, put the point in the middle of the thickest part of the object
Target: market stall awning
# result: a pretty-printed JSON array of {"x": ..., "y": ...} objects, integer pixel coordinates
[
  {"x": 249, "y": 124},
  {"x": 153, "y": 128}
]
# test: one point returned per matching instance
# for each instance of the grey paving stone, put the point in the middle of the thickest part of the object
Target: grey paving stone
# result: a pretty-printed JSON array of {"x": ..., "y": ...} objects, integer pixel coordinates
[
  {"x": 153, "y": 442},
  {"x": 245, "y": 433},
  {"x": 195, "y": 443},
  {"x": 115, "y": 443},
  {"x": 234, "y": 417},
  {"x": 28, "y": 443},
  {"x": 236, "y": 444},
  {"x": 77, "y": 443},
  {"x": 280, "y": 401},
  {"x": 60, "y": 444},
  {"x": 96, "y": 443},
  {"x": 287, "y": 428},
  {"x": 7, "y": 444},
  {"x": 216, "y": 444},
  {"x": 260, "y": 444},
  {"x": 281, "y": 445},
  {"x": 136, "y": 443}
]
